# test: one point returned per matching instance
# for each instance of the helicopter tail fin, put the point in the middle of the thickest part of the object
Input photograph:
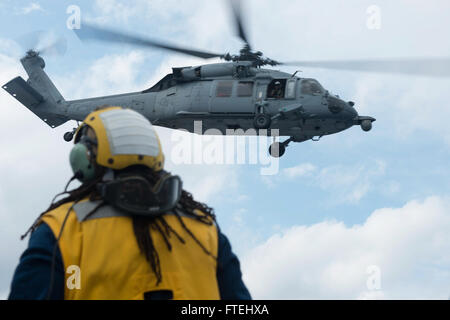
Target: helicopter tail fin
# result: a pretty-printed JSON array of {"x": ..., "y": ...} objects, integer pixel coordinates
[{"x": 38, "y": 94}]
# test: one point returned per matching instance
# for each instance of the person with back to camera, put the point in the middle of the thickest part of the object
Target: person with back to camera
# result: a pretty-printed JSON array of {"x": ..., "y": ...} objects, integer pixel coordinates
[{"x": 130, "y": 230}]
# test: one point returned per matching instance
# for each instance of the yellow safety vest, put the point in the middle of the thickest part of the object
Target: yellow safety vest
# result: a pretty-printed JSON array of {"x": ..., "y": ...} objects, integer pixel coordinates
[{"x": 111, "y": 266}]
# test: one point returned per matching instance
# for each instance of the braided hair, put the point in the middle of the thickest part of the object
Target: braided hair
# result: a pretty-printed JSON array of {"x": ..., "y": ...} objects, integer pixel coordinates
[{"x": 141, "y": 224}]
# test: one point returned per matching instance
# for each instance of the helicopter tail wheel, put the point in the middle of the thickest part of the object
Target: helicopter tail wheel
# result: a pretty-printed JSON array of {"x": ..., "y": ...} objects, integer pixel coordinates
[
  {"x": 277, "y": 149},
  {"x": 262, "y": 121},
  {"x": 366, "y": 125},
  {"x": 68, "y": 136}
]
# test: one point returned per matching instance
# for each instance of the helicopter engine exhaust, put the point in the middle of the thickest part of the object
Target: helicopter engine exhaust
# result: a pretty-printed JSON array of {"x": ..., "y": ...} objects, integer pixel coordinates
[{"x": 214, "y": 70}]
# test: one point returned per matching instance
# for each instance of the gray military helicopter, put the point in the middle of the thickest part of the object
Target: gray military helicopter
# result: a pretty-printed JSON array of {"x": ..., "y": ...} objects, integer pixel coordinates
[{"x": 236, "y": 94}]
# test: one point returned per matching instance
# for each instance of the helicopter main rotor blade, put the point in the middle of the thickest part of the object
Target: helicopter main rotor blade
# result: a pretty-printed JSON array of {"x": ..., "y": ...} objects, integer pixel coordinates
[
  {"x": 237, "y": 14},
  {"x": 435, "y": 67},
  {"x": 91, "y": 32}
]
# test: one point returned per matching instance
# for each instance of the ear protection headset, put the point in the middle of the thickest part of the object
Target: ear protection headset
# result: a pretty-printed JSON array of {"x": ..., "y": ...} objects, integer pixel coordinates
[{"x": 82, "y": 157}]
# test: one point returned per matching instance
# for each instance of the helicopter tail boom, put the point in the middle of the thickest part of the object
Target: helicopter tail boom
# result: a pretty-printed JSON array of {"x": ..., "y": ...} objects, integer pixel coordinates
[{"x": 38, "y": 93}]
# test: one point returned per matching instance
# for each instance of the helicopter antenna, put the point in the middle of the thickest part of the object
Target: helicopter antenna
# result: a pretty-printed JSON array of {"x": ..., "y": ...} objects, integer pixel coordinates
[{"x": 293, "y": 75}]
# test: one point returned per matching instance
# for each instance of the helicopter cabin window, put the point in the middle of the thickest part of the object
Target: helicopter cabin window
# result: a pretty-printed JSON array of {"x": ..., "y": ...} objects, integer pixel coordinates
[
  {"x": 245, "y": 89},
  {"x": 276, "y": 88},
  {"x": 311, "y": 86},
  {"x": 224, "y": 88}
]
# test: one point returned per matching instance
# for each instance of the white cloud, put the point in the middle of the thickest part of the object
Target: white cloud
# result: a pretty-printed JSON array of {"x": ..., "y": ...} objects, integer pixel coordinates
[
  {"x": 423, "y": 101},
  {"x": 10, "y": 48},
  {"x": 238, "y": 217},
  {"x": 33, "y": 6},
  {"x": 207, "y": 181},
  {"x": 193, "y": 19},
  {"x": 115, "y": 10},
  {"x": 329, "y": 260},
  {"x": 390, "y": 188},
  {"x": 299, "y": 170},
  {"x": 350, "y": 183},
  {"x": 405, "y": 106},
  {"x": 347, "y": 183},
  {"x": 110, "y": 74}
]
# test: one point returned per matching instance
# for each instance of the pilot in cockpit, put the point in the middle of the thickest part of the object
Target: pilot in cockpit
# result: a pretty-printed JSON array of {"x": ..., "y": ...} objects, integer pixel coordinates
[{"x": 277, "y": 91}]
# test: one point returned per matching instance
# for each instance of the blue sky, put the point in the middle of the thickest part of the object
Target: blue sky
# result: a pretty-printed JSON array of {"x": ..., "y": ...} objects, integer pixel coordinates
[{"x": 335, "y": 208}]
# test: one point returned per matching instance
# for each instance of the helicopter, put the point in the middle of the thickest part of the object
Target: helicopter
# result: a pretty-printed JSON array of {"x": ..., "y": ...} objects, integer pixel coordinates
[{"x": 236, "y": 94}]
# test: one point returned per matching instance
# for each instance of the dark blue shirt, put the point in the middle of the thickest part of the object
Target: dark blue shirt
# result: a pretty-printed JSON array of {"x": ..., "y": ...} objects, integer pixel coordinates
[{"x": 32, "y": 278}]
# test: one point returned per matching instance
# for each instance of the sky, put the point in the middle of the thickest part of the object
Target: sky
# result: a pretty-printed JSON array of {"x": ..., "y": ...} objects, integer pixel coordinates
[{"x": 356, "y": 215}]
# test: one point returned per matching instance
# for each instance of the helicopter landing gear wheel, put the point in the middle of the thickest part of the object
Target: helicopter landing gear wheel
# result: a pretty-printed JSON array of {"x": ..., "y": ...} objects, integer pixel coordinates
[
  {"x": 68, "y": 136},
  {"x": 277, "y": 149},
  {"x": 262, "y": 121}
]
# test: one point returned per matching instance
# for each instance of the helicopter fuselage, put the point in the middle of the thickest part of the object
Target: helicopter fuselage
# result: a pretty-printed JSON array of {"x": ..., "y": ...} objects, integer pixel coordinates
[
  {"x": 225, "y": 98},
  {"x": 221, "y": 98}
]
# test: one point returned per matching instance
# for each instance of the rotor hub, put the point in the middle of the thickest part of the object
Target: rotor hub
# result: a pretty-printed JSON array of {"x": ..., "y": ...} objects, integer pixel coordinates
[{"x": 246, "y": 54}]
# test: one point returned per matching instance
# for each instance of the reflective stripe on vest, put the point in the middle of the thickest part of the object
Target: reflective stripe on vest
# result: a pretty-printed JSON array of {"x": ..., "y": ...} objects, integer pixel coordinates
[{"x": 104, "y": 247}]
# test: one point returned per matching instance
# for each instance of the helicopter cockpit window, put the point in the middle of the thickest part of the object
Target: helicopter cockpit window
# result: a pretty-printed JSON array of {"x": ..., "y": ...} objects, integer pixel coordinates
[
  {"x": 275, "y": 89},
  {"x": 311, "y": 86},
  {"x": 224, "y": 88},
  {"x": 198, "y": 72},
  {"x": 290, "y": 89},
  {"x": 245, "y": 89}
]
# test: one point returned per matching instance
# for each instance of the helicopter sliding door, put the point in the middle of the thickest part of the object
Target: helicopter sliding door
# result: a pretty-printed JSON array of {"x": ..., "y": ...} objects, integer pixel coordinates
[
  {"x": 199, "y": 96},
  {"x": 232, "y": 96}
]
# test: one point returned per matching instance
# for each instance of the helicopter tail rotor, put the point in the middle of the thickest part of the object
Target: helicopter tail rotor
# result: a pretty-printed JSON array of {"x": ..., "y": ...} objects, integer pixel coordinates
[
  {"x": 57, "y": 46},
  {"x": 43, "y": 43}
]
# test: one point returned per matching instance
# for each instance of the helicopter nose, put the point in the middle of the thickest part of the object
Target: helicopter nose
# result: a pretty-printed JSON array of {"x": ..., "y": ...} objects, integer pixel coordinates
[{"x": 341, "y": 108}]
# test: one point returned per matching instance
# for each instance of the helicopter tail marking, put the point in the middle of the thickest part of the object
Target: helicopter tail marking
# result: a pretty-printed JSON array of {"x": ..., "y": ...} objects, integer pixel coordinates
[{"x": 38, "y": 94}]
